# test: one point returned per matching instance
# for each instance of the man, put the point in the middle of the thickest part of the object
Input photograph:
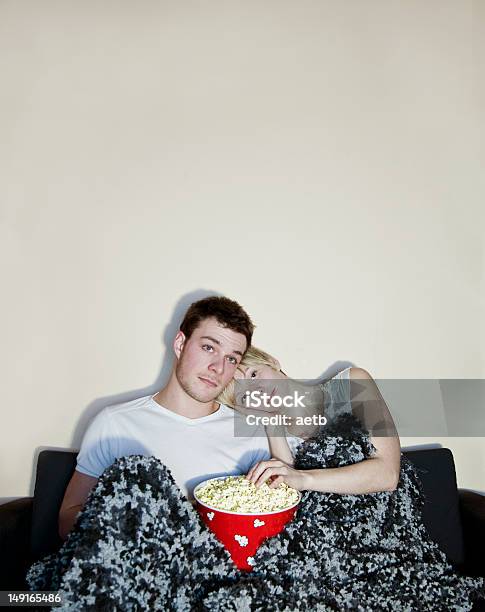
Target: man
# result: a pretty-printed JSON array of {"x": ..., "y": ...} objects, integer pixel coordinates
[{"x": 181, "y": 425}]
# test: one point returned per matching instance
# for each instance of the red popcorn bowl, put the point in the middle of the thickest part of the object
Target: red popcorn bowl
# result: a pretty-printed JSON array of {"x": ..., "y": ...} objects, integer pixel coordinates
[{"x": 242, "y": 533}]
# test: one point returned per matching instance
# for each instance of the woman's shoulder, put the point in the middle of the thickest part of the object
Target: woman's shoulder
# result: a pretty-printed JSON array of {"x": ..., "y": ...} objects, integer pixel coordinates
[
  {"x": 337, "y": 389},
  {"x": 338, "y": 384},
  {"x": 359, "y": 373},
  {"x": 353, "y": 373}
]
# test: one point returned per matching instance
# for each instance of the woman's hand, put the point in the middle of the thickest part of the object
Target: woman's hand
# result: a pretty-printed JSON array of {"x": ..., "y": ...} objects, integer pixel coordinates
[{"x": 279, "y": 472}]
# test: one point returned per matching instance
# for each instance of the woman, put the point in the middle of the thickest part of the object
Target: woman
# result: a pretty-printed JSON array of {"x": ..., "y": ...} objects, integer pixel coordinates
[
  {"x": 139, "y": 544},
  {"x": 379, "y": 473},
  {"x": 359, "y": 527}
]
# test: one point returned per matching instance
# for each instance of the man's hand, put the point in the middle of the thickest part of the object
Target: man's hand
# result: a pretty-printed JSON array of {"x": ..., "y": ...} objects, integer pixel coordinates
[{"x": 280, "y": 472}]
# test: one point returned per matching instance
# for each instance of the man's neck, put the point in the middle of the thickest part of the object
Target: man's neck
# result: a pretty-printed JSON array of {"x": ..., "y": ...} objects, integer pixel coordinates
[{"x": 174, "y": 398}]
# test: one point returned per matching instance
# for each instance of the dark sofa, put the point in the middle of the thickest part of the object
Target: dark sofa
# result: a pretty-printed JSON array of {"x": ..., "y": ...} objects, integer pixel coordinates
[{"x": 455, "y": 518}]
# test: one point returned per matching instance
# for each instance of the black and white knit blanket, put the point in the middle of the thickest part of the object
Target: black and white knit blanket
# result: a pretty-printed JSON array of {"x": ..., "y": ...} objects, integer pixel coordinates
[{"x": 139, "y": 544}]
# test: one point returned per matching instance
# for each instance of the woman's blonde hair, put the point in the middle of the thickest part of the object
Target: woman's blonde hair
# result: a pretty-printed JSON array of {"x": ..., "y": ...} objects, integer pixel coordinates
[
  {"x": 257, "y": 357},
  {"x": 252, "y": 357}
]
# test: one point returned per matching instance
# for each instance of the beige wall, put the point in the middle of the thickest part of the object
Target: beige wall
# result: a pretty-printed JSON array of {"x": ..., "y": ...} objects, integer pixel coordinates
[{"x": 318, "y": 161}]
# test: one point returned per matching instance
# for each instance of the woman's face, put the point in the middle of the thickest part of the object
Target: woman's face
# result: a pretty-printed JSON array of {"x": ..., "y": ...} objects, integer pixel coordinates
[{"x": 261, "y": 378}]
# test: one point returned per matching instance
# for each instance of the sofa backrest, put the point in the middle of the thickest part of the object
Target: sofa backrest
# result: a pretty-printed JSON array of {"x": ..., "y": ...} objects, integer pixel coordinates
[
  {"x": 435, "y": 467},
  {"x": 441, "y": 512},
  {"x": 54, "y": 471}
]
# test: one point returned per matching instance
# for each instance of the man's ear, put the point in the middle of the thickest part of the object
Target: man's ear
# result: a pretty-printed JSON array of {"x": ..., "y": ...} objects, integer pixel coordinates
[{"x": 178, "y": 343}]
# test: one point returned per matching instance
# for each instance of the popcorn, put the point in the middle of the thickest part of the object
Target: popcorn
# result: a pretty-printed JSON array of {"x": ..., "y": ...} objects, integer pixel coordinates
[{"x": 238, "y": 494}]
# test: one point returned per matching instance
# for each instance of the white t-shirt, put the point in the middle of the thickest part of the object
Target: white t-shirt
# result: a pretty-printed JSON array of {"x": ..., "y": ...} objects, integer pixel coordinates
[{"x": 193, "y": 449}]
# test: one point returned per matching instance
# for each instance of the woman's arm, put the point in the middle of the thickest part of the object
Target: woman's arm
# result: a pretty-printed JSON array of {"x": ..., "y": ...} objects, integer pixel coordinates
[
  {"x": 276, "y": 434},
  {"x": 368, "y": 476},
  {"x": 278, "y": 444},
  {"x": 378, "y": 473}
]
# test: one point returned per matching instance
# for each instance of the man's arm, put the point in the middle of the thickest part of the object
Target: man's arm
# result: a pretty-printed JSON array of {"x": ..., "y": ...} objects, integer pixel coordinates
[
  {"x": 98, "y": 451},
  {"x": 75, "y": 497}
]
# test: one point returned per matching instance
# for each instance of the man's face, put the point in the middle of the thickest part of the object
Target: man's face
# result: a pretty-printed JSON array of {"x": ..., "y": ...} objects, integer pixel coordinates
[{"x": 208, "y": 359}]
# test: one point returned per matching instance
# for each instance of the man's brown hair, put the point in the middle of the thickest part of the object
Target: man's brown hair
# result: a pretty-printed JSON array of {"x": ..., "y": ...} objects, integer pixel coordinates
[{"x": 228, "y": 313}]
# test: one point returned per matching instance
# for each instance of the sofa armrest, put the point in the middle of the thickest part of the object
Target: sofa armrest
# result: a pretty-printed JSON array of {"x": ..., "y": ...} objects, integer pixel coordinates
[
  {"x": 15, "y": 525},
  {"x": 472, "y": 511}
]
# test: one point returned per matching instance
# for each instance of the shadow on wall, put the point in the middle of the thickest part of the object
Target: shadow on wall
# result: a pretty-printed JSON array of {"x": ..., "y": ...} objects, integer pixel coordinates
[{"x": 165, "y": 370}]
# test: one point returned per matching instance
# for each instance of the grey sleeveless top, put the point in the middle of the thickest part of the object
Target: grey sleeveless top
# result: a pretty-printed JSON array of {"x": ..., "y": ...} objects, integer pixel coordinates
[{"x": 337, "y": 401}]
